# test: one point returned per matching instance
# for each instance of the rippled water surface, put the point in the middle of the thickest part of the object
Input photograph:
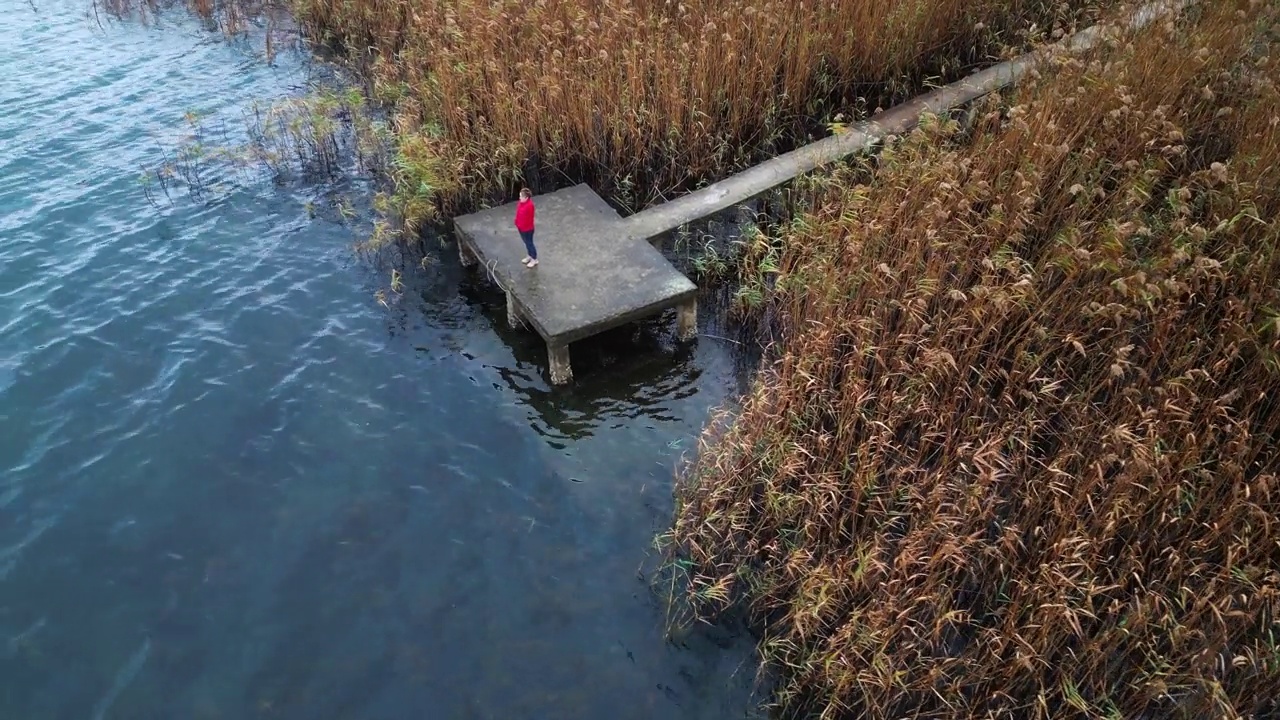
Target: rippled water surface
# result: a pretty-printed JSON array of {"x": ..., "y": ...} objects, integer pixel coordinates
[{"x": 235, "y": 486}]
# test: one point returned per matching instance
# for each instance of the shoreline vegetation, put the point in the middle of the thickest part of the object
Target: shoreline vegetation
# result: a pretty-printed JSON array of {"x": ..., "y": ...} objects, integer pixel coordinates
[
  {"x": 1012, "y": 452},
  {"x": 1016, "y": 455}
]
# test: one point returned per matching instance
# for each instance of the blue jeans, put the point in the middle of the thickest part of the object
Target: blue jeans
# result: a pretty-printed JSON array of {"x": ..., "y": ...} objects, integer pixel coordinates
[{"x": 527, "y": 237}]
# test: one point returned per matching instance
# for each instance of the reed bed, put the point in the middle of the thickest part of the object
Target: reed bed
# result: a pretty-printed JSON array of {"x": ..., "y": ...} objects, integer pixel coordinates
[
  {"x": 1017, "y": 455},
  {"x": 644, "y": 97}
]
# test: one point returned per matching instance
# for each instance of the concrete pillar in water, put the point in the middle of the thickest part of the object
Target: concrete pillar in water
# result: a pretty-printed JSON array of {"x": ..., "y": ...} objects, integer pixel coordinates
[
  {"x": 558, "y": 356},
  {"x": 687, "y": 320},
  {"x": 513, "y": 314},
  {"x": 465, "y": 254}
]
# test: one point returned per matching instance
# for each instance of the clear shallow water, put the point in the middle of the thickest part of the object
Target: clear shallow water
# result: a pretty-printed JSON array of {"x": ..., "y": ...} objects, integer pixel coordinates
[{"x": 232, "y": 485}]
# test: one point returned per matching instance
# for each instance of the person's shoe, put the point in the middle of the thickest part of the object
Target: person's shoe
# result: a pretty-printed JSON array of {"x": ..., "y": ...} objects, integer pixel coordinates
[
  {"x": 526, "y": 260},
  {"x": 531, "y": 264}
]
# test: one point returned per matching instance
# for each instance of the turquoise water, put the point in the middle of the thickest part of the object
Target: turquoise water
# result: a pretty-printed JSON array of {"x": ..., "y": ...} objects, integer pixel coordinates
[{"x": 233, "y": 485}]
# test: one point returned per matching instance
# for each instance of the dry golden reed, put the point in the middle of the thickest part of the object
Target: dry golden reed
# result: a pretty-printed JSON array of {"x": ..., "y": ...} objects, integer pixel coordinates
[
  {"x": 641, "y": 97},
  {"x": 1017, "y": 456}
]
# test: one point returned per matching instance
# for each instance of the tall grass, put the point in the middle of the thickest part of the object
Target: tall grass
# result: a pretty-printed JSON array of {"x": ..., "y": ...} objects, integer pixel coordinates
[
  {"x": 643, "y": 97},
  {"x": 1017, "y": 456}
]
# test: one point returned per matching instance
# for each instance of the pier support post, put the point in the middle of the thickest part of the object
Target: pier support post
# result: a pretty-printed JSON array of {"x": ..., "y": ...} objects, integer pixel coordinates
[
  {"x": 558, "y": 356},
  {"x": 687, "y": 320},
  {"x": 465, "y": 255},
  {"x": 513, "y": 314}
]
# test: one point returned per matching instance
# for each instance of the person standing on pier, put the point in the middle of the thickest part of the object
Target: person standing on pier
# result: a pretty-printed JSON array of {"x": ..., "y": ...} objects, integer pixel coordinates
[{"x": 524, "y": 223}]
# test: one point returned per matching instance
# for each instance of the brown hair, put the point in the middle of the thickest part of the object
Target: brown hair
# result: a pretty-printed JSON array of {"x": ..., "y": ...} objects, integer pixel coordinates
[{"x": 526, "y": 192}]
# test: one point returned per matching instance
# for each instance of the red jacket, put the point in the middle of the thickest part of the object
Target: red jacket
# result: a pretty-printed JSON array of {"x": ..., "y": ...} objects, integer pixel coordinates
[{"x": 524, "y": 215}]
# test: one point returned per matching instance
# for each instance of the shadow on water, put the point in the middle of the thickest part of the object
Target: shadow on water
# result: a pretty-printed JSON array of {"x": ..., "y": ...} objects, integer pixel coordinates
[
  {"x": 638, "y": 372},
  {"x": 625, "y": 374}
]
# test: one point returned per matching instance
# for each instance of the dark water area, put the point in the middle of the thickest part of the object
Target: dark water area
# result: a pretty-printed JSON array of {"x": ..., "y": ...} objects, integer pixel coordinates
[{"x": 234, "y": 485}]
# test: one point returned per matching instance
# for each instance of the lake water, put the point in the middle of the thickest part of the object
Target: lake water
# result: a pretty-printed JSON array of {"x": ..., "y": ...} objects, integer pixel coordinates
[{"x": 234, "y": 485}]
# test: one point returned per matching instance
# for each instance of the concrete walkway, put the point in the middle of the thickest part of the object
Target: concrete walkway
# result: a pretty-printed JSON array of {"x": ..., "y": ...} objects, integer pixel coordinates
[{"x": 864, "y": 136}]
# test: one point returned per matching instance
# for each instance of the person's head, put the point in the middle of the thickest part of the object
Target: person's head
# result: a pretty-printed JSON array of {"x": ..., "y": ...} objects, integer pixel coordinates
[{"x": 525, "y": 193}]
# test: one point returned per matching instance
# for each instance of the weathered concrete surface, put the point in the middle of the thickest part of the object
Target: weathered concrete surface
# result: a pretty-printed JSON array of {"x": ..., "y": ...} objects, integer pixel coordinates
[
  {"x": 591, "y": 275},
  {"x": 863, "y": 136}
]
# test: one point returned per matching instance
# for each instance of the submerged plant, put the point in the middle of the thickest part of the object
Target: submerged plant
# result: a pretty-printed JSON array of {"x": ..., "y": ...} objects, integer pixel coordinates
[{"x": 315, "y": 138}]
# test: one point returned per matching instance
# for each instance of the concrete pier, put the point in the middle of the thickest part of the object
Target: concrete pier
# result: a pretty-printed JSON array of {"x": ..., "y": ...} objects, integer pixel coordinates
[{"x": 592, "y": 274}]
